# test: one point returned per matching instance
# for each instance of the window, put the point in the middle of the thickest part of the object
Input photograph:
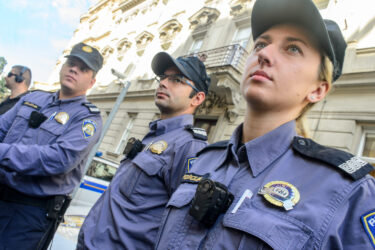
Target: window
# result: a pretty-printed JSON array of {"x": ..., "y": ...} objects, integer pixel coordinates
[
  {"x": 207, "y": 124},
  {"x": 196, "y": 46},
  {"x": 102, "y": 169},
  {"x": 367, "y": 147},
  {"x": 125, "y": 135},
  {"x": 242, "y": 36}
]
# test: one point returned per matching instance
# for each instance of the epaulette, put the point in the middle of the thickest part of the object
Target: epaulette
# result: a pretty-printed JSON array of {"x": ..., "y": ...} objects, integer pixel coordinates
[
  {"x": 351, "y": 165},
  {"x": 198, "y": 133},
  {"x": 93, "y": 109},
  {"x": 216, "y": 145}
]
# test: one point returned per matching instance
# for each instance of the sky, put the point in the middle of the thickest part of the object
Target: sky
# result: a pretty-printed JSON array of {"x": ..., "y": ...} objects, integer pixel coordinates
[{"x": 34, "y": 33}]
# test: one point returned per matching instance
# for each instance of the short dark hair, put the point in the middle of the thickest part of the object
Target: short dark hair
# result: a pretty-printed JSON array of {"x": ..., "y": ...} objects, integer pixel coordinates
[{"x": 26, "y": 73}]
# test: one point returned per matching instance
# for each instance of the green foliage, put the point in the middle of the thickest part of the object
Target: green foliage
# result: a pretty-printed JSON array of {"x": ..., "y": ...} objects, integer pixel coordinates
[{"x": 4, "y": 91}]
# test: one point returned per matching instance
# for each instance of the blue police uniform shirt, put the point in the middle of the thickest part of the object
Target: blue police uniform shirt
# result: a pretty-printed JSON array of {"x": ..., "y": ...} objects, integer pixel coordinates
[
  {"x": 48, "y": 160},
  {"x": 128, "y": 213},
  {"x": 327, "y": 216}
]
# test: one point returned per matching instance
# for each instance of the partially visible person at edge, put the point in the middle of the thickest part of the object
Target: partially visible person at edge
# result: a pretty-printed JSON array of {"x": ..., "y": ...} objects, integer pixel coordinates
[
  {"x": 18, "y": 82},
  {"x": 267, "y": 188},
  {"x": 45, "y": 140},
  {"x": 128, "y": 214}
]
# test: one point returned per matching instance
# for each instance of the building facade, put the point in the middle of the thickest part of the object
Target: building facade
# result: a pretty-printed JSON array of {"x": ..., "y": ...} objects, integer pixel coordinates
[{"x": 130, "y": 32}]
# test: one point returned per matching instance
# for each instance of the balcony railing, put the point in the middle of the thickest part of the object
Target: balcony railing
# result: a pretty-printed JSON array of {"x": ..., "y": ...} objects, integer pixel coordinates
[{"x": 232, "y": 55}]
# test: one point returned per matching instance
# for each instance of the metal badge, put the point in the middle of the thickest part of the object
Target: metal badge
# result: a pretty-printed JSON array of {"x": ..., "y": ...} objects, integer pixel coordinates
[
  {"x": 62, "y": 117},
  {"x": 87, "y": 49},
  {"x": 281, "y": 194},
  {"x": 158, "y": 147}
]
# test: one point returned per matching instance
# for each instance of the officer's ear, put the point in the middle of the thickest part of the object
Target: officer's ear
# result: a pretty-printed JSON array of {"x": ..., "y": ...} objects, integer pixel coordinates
[
  {"x": 319, "y": 92},
  {"x": 198, "y": 99},
  {"x": 92, "y": 82}
]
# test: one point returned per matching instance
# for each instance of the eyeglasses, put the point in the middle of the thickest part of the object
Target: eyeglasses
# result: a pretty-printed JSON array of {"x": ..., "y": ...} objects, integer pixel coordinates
[
  {"x": 10, "y": 74},
  {"x": 177, "y": 79}
]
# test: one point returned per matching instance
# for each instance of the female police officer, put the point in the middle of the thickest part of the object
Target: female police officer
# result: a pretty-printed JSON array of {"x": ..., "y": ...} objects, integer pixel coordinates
[{"x": 266, "y": 187}]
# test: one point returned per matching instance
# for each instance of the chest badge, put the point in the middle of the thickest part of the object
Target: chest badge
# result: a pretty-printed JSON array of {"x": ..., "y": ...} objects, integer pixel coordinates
[
  {"x": 62, "y": 117},
  {"x": 281, "y": 194},
  {"x": 158, "y": 147}
]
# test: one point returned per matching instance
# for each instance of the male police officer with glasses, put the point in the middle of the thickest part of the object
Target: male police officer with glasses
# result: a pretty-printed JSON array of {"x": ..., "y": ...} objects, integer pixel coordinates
[
  {"x": 18, "y": 82},
  {"x": 44, "y": 142},
  {"x": 128, "y": 214}
]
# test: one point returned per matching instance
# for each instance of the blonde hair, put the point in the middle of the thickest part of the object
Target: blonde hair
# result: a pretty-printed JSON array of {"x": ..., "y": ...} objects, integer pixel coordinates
[{"x": 325, "y": 74}]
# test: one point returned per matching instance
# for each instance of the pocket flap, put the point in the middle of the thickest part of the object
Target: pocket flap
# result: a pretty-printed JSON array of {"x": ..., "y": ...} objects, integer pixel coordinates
[
  {"x": 278, "y": 232},
  {"x": 149, "y": 164},
  {"x": 182, "y": 196},
  {"x": 53, "y": 127}
]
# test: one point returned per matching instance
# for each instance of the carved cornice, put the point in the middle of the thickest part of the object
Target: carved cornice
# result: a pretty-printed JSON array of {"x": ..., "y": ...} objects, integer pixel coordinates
[
  {"x": 122, "y": 47},
  {"x": 240, "y": 7},
  {"x": 168, "y": 31},
  {"x": 106, "y": 52},
  {"x": 126, "y": 5},
  {"x": 94, "y": 39},
  {"x": 203, "y": 17},
  {"x": 142, "y": 40}
]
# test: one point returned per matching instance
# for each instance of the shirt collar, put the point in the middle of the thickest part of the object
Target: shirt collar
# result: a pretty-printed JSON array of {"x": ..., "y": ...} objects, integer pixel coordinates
[
  {"x": 55, "y": 98},
  {"x": 261, "y": 151},
  {"x": 160, "y": 127}
]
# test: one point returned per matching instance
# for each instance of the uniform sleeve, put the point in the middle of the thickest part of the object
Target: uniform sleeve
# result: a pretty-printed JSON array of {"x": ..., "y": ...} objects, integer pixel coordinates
[
  {"x": 183, "y": 155},
  {"x": 53, "y": 159},
  {"x": 353, "y": 225},
  {"x": 7, "y": 119}
]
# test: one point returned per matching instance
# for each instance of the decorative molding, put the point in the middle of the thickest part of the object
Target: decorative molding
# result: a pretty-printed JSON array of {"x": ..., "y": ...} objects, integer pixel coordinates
[
  {"x": 122, "y": 47},
  {"x": 142, "y": 40},
  {"x": 126, "y": 5},
  {"x": 240, "y": 7},
  {"x": 212, "y": 100},
  {"x": 99, "y": 37},
  {"x": 203, "y": 18},
  {"x": 106, "y": 52},
  {"x": 168, "y": 31}
]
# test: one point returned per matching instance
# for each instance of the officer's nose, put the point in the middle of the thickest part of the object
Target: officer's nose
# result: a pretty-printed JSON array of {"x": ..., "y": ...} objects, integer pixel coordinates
[{"x": 264, "y": 56}]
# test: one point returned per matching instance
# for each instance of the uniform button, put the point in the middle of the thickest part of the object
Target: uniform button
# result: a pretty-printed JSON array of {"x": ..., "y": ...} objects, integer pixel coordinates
[{"x": 301, "y": 142}]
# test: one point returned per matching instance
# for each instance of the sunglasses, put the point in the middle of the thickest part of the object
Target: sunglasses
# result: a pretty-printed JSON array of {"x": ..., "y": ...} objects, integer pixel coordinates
[
  {"x": 178, "y": 79},
  {"x": 10, "y": 74}
]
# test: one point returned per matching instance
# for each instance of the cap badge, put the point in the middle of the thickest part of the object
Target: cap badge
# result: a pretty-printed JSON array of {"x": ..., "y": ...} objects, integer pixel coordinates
[
  {"x": 158, "y": 147},
  {"x": 62, "y": 117},
  {"x": 281, "y": 194},
  {"x": 87, "y": 49},
  {"x": 88, "y": 128}
]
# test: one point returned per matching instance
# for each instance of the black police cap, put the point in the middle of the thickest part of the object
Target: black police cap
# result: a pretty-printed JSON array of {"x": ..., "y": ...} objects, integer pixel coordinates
[
  {"x": 89, "y": 55},
  {"x": 191, "y": 67},
  {"x": 267, "y": 13}
]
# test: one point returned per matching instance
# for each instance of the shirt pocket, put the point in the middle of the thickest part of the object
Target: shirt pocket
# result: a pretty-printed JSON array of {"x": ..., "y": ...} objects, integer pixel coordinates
[
  {"x": 19, "y": 126},
  {"x": 140, "y": 175},
  {"x": 277, "y": 231},
  {"x": 49, "y": 131}
]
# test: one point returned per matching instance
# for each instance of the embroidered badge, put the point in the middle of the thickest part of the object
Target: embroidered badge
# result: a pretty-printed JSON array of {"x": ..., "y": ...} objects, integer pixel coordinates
[
  {"x": 281, "y": 194},
  {"x": 87, "y": 49},
  {"x": 31, "y": 105},
  {"x": 158, "y": 147},
  {"x": 62, "y": 117},
  {"x": 190, "y": 162},
  {"x": 88, "y": 128},
  {"x": 193, "y": 178},
  {"x": 368, "y": 221}
]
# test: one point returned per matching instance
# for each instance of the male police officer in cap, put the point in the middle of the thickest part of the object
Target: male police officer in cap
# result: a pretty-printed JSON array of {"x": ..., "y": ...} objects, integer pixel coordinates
[
  {"x": 45, "y": 140},
  {"x": 128, "y": 214}
]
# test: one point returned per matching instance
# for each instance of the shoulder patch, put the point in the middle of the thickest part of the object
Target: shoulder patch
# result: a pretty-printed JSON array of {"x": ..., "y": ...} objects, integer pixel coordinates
[
  {"x": 30, "y": 104},
  {"x": 368, "y": 221},
  {"x": 198, "y": 133},
  {"x": 190, "y": 161},
  {"x": 88, "y": 128},
  {"x": 216, "y": 145},
  {"x": 351, "y": 165},
  {"x": 93, "y": 109},
  {"x": 193, "y": 178}
]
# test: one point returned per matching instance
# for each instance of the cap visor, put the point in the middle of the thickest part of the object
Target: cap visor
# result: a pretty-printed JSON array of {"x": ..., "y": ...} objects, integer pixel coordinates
[
  {"x": 82, "y": 59},
  {"x": 162, "y": 61}
]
